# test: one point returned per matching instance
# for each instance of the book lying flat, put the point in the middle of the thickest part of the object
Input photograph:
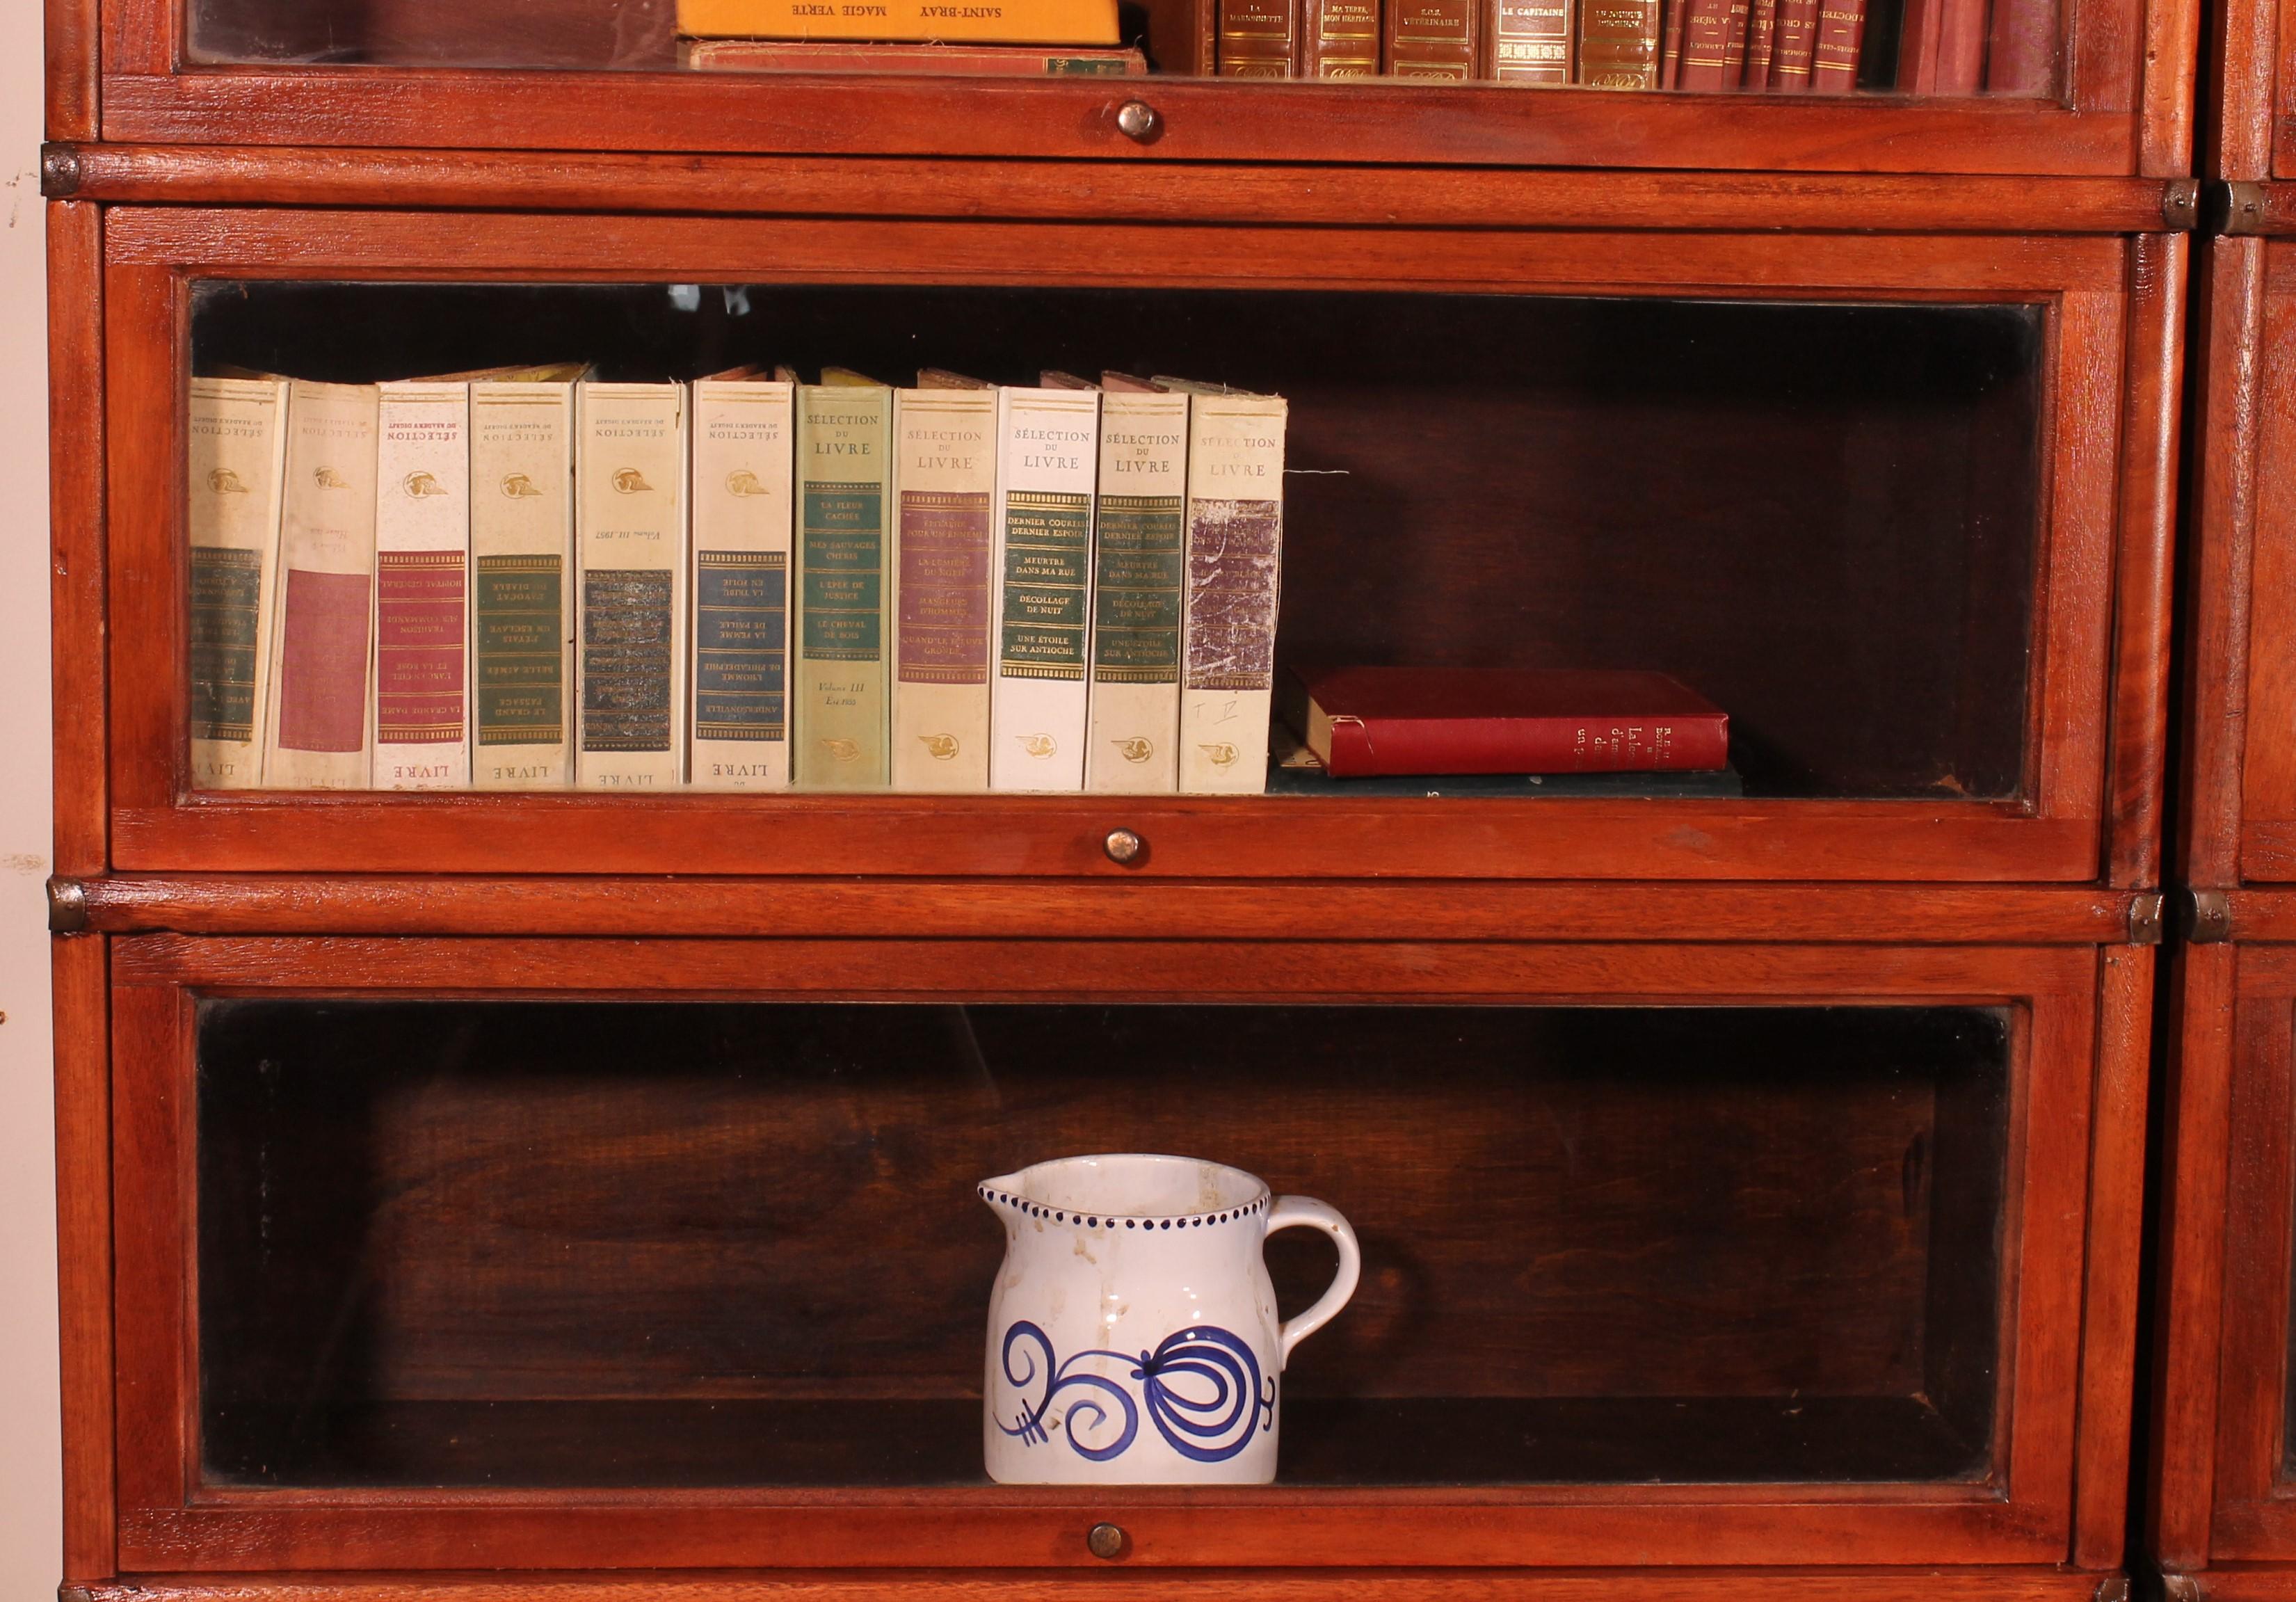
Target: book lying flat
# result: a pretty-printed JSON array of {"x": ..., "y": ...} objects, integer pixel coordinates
[
  {"x": 969, "y": 21},
  {"x": 1364, "y": 720},
  {"x": 970, "y": 61}
]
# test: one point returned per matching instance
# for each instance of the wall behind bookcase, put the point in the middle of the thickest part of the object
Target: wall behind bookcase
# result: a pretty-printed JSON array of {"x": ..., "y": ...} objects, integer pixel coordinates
[{"x": 31, "y": 1498}]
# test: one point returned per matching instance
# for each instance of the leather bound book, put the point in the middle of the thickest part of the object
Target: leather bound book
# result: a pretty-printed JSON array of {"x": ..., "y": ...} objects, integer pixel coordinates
[
  {"x": 1342, "y": 38},
  {"x": 1669, "y": 60},
  {"x": 1365, "y": 721},
  {"x": 1962, "y": 28},
  {"x": 840, "y": 704},
  {"x": 970, "y": 61},
  {"x": 1919, "y": 30},
  {"x": 1795, "y": 46},
  {"x": 1761, "y": 43},
  {"x": 630, "y": 500},
  {"x": 1259, "y": 38},
  {"x": 421, "y": 587},
  {"x": 1619, "y": 44},
  {"x": 1841, "y": 36},
  {"x": 319, "y": 737},
  {"x": 744, "y": 432},
  {"x": 1734, "y": 44},
  {"x": 1433, "y": 38},
  {"x": 1705, "y": 45},
  {"x": 1530, "y": 41},
  {"x": 944, "y": 494},
  {"x": 2021, "y": 56},
  {"x": 236, "y": 452}
]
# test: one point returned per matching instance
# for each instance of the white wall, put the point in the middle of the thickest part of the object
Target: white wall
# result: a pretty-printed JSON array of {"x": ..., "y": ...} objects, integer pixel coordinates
[{"x": 30, "y": 1498}]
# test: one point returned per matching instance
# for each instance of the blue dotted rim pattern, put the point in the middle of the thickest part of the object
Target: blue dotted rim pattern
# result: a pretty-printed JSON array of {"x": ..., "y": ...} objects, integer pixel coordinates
[{"x": 1062, "y": 1215}]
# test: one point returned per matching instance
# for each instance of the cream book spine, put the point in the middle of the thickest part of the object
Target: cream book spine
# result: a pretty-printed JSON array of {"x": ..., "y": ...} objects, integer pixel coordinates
[
  {"x": 522, "y": 607},
  {"x": 319, "y": 735},
  {"x": 744, "y": 499},
  {"x": 236, "y": 454},
  {"x": 841, "y": 703},
  {"x": 945, "y": 491},
  {"x": 1047, "y": 471},
  {"x": 1234, "y": 572},
  {"x": 421, "y": 594},
  {"x": 1139, "y": 539},
  {"x": 629, "y": 474}
]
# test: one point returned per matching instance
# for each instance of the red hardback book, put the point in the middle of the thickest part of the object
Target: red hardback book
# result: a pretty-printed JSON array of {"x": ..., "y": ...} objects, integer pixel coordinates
[
  {"x": 1363, "y": 721},
  {"x": 1841, "y": 35},
  {"x": 2021, "y": 57}
]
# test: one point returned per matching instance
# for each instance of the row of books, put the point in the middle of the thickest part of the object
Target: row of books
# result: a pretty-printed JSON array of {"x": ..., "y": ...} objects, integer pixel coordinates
[
  {"x": 521, "y": 581},
  {"x": 1767, "y": 46}
]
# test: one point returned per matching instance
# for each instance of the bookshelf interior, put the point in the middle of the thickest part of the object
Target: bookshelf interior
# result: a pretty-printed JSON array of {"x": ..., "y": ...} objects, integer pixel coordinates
[
  {"x": 687, "y": 1245},
  {"x": 1176, "y": 36},
  {"x": 1821, "y": 515}
]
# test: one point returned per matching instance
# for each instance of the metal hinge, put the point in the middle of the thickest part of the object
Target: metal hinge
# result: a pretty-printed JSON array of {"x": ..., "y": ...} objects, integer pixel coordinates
[
  {"x": 2203, "y": 918},
  {"x": 60, "y": 172},
  {"x": 2180, "y": 205},
  {"x": 67, "y": 906},
  {"x": 2144, "y": 919},
  {"x": 2234, "y": 208},
  {"x": 2180, "y": 1587},
  {"x": 2112, "y": 1588}
]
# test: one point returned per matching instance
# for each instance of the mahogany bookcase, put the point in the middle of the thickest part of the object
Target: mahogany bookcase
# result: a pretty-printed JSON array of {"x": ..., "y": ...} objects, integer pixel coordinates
[
  {"x": 2220, "y": 1521},
  {"x": 571, "y": 1196}
]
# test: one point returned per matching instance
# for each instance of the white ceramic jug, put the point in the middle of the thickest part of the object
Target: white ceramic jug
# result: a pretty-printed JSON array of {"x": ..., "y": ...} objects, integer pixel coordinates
[{"x": 1132, "y": 1334}]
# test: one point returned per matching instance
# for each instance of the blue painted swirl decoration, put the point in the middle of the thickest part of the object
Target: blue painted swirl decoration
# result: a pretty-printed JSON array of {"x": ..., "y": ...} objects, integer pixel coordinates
[{"x": 1202, "y": 1386}]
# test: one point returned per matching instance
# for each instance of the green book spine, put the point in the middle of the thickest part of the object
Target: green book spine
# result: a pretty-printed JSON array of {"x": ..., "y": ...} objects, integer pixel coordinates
[{"x": 841, "y": 705}]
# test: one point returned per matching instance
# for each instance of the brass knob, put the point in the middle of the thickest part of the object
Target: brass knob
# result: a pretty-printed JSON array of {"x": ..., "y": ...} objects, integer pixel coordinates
[
  {"x": 1105, "y": 1540},
  {"x": 1137, "y": 120},
  {"x": 1123, "y": 846}
]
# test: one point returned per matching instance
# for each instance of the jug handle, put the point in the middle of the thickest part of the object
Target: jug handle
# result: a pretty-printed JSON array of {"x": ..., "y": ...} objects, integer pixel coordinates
[{"x": 1296, "y": 1212}]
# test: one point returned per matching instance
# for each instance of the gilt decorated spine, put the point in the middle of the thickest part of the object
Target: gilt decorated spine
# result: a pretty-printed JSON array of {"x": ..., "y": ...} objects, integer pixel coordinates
[
  {"x": 319, "y": 737},
  {"x": 1234, "y": 565},
  {"x": 1619, "y": 44},
  {"x": 1259, "y": 38},
  {"x": 1530, "y": 41},
  {"x": 421, "y": 594},
  {"x": 1841, "y": 35},
  {"x": 1342, "y": 38},
  {"x": 236, "y": 453},
  {"x": 743, "y": 510},
  {"x": 522, "y": 608},
  {"x": 1433, "y": 38},
  {"x": 1793, "y": 47},
  {"x": 630, "y": 500},
  {"x": 945, "y": 446},
  {"x": 1139, "y": 550},
  {"x": 1047, "y": 471},
  {"x": 841, "y": 706}
]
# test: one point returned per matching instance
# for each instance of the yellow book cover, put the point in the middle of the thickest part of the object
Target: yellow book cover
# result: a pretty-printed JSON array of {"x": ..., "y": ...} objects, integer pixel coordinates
[{"x": 977, "y": 21}]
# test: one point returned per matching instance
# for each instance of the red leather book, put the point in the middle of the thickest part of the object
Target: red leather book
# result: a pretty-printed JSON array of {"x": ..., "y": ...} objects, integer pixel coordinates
[
  {"x": 1791, "y": 52},
  {"x": 1918, "y": 32},
  {"x": 1841, "y": 35},
  {"x": 1961, "y": 30},
  {"x": 2021, "y": 58},
  {"x": 1706, "y": 44},
  {"x": 1761, "y": 42},
  {"x": 1363, "y": 721}
]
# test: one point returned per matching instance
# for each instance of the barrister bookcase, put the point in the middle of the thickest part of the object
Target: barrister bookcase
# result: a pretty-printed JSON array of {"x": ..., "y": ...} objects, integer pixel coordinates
[
  {"x": 2219, "y": 1522},
  {"x": 571, "y": 1196}
]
